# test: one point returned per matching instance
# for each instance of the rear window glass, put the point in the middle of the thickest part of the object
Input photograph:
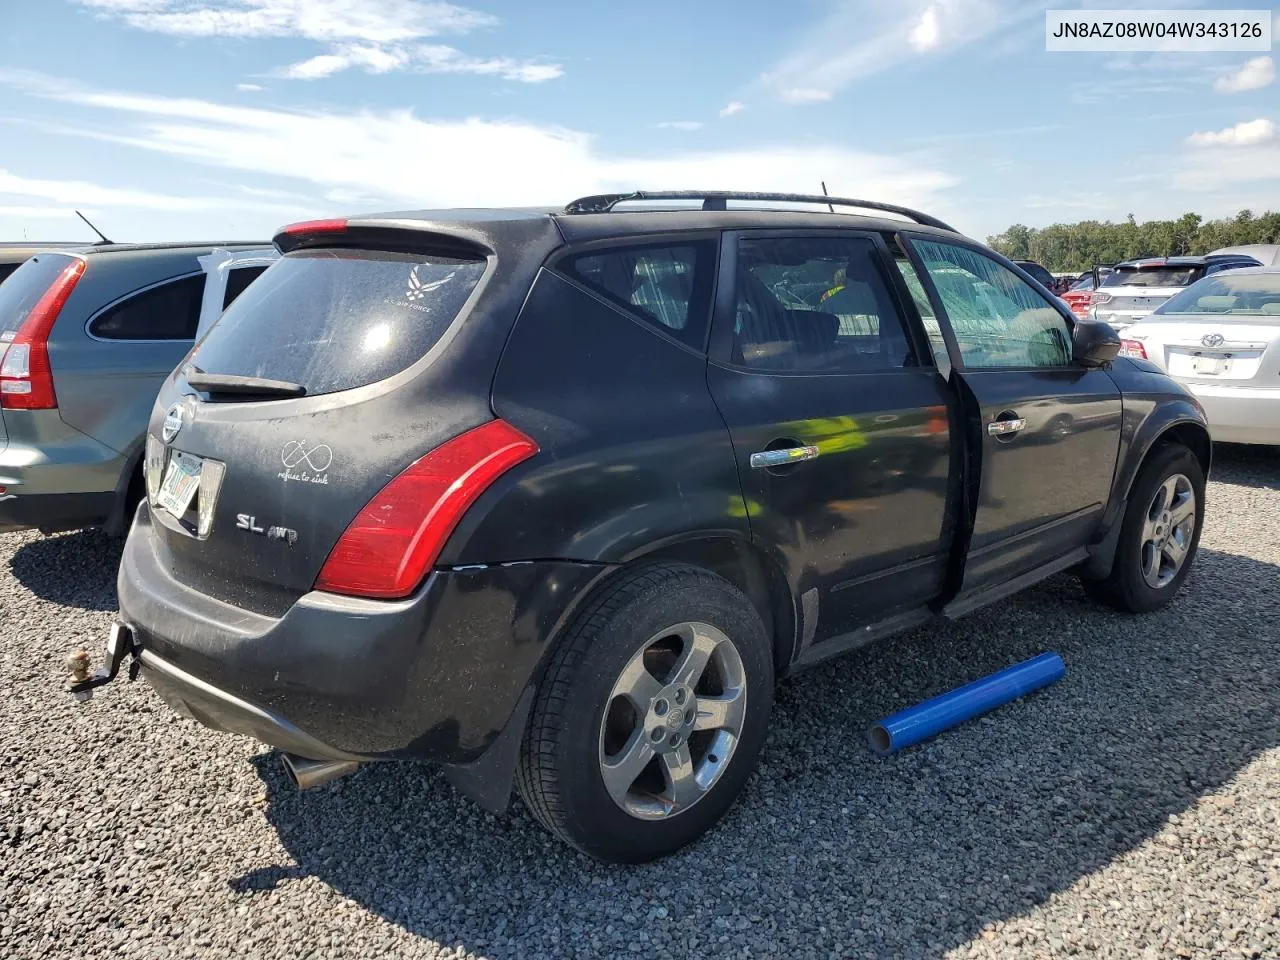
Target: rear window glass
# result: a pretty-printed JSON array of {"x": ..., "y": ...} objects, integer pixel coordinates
[
  {"x": 1153, "y": 277},
  {"x": 6, "y": 269},
  {"x": 25, "y": 287},
  {"x": 1237, "y": 295},
  {"x": 338, "y": 319}
]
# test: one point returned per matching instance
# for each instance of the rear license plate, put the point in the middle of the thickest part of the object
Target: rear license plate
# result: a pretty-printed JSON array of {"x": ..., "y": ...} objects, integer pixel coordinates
[
  {"x": 1210, "y": 366},
  {"x": 181, "y": 481},
  {"x": 1185, "y": 363}
]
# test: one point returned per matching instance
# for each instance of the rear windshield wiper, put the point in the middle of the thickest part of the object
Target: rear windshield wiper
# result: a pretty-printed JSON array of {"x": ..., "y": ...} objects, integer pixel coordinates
[{"x": 226, "y": 383}]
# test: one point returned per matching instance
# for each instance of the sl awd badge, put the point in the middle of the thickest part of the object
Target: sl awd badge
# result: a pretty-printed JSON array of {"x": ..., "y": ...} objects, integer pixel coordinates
[{"x": 249, "y": 523}]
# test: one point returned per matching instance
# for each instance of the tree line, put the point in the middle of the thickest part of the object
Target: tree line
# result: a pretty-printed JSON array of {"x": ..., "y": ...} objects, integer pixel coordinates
[{"x": 1078, "y": 246}]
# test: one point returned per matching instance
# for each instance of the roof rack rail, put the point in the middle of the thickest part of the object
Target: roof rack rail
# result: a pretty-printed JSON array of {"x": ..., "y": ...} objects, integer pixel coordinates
[{"x": 716, "y": 200}]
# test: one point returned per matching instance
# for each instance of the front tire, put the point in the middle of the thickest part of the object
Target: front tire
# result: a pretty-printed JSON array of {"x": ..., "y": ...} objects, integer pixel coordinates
[
  {"x": 651, "y": 715},
  {"x": 1159, "y": 535}
]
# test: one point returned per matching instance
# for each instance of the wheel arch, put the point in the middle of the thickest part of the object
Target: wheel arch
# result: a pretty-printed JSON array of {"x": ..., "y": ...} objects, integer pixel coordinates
[
  {"x": 748, "y": 568},
  {"x": 1156, "y": 434}
]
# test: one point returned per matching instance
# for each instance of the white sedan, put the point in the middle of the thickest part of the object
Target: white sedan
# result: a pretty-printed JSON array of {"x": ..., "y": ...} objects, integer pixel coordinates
[{"x": 1221, "y": 338}]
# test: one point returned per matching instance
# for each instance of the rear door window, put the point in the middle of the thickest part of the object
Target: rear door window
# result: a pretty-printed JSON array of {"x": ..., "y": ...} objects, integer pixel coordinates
[
  {"x": 238, "y": 279},
  {"x": 814, "y": 304},
  {"x": 170, "y": 311},
  {"x": 24, "y": 288},
  {"x": 668, "y": 286},
  {"x": 335, "y": 320}
]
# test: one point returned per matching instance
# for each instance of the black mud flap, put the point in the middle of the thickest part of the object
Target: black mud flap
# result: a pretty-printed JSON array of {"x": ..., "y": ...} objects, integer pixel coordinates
[
  {"x": 121, "y": 643},
  {"x": 487, "y": 782}
]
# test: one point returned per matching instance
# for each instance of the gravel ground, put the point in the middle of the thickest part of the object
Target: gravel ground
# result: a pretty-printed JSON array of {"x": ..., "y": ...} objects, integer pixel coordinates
[{"x": 1132, "y": 810}]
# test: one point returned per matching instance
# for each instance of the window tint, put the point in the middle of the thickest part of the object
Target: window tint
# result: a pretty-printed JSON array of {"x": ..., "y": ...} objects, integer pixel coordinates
[
  {"x": 669, "y": 286},
  {"x": 6, "y": 269},
  {"x": 999, "y": 320},
  {"x": 170, "y": 311},
  {"x": 237, "y": 279},
  {"x": 814, "y": 304},
  {"x": 339, "y": 319}
]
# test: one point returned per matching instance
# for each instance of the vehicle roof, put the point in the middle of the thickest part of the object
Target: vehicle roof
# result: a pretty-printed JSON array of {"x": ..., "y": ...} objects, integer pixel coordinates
[
  {"x": 576, "y": 227},
  {"x": 1239, "y": 271},
  {"x": 1183, "y": 261},
  {"x": 1266, "y": 253},
  {"x": 18, "y": 252},
  {"x": 98, "y": 249}
]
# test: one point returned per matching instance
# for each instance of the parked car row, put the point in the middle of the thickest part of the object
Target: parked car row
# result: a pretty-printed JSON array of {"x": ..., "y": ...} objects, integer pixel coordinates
[
  {"x": 87, "y": 335},
  {"x": 551, "y": 499},
  {"x": 1135, "y": 288}
]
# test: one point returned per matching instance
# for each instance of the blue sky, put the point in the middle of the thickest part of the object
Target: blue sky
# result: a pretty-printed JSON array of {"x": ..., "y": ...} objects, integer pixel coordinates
[{"x": 222, "y": 119}]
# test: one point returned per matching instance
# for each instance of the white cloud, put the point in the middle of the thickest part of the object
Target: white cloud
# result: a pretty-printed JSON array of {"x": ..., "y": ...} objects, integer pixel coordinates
[
  {"x": 402, "y": 159},
  {"x": 804, "y": 95},
  {"x": 377, "y": 36},
  {"x": 925, "y": 35},
  {"x": 249, "y": 87},
  {"x": 1246, "y": 134},
  {"x": 858, "y": 39},
  {"x": 1254, "y": 75},
  {"x": 432, "y": 58},
  {"x": 732, "y": 107},
  {"x": 327, "y": 21},
  {"x": 31, "y": 212},
  {"x": 680, "y": 125},
  {"x": 79, "y": 193}
]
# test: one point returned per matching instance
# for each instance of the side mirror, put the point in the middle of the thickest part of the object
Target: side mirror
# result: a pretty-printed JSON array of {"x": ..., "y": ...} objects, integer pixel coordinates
[{"x": 1094, "y": 343}]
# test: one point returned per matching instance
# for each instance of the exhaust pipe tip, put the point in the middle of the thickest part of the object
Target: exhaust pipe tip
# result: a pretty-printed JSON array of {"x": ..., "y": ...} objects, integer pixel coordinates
[{"x": 306, "y": 773}]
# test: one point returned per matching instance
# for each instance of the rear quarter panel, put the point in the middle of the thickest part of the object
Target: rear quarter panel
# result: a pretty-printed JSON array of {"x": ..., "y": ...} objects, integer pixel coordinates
[
  {"x": 633, "y": 452},
  {"x": 106, "y": 388}
]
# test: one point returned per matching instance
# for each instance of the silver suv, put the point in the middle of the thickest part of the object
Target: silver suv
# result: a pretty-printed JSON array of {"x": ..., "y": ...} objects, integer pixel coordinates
[{"x": 87, "y": 335}]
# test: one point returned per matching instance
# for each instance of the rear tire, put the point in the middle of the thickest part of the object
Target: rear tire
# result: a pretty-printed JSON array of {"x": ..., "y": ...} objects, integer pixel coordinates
[
  {"x": 1147, "y": 572},
  {"x": 651, "y": 715}
]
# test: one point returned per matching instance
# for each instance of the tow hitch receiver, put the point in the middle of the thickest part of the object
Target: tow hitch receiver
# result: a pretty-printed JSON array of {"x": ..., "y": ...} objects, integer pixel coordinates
[{"x": 121, "y": 643}]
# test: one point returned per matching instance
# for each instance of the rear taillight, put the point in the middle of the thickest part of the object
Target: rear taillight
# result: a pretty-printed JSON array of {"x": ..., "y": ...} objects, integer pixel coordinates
[
  {"x": 397, "y": 537},
  {"x": 1133, "y": 348},
  {"x": 26, "y": 379}
]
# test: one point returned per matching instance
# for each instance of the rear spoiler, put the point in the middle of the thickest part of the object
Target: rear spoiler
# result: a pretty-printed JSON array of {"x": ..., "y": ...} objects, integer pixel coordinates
[{"x": 404, "y": 235}]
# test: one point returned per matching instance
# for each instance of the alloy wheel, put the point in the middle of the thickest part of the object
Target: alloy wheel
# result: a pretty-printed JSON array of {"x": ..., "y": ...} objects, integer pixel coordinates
[
  {"x": 1167, "y": 531},
  {"x": 673, "y": 721}
]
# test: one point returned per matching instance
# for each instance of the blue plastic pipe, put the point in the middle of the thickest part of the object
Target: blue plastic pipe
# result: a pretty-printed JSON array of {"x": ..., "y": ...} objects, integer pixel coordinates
[{"x": 908, "y": 727}]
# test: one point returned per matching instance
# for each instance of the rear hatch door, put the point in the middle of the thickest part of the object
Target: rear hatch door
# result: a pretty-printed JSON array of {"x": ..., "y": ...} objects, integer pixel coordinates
[{"x": 350, "y": 357}]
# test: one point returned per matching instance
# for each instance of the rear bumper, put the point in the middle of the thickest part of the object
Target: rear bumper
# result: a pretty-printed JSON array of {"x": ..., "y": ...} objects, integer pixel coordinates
[
  {"x": 53, "y": 512},
  {"x": 57, "y": 478},
  {"x": 436, "y": 676},
  {"x": 1240, "y": 414},
  {"x": 219, "y": 710}
]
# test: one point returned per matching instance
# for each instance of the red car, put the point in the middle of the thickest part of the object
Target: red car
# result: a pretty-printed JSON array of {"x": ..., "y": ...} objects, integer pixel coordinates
[{"x": 1080, "y": 296}]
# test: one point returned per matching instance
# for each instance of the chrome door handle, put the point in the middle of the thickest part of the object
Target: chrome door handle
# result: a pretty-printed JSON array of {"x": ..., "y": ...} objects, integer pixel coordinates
[
  {"x": 1001, "y": 428},
  {"x": 782, "y": 457}
]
